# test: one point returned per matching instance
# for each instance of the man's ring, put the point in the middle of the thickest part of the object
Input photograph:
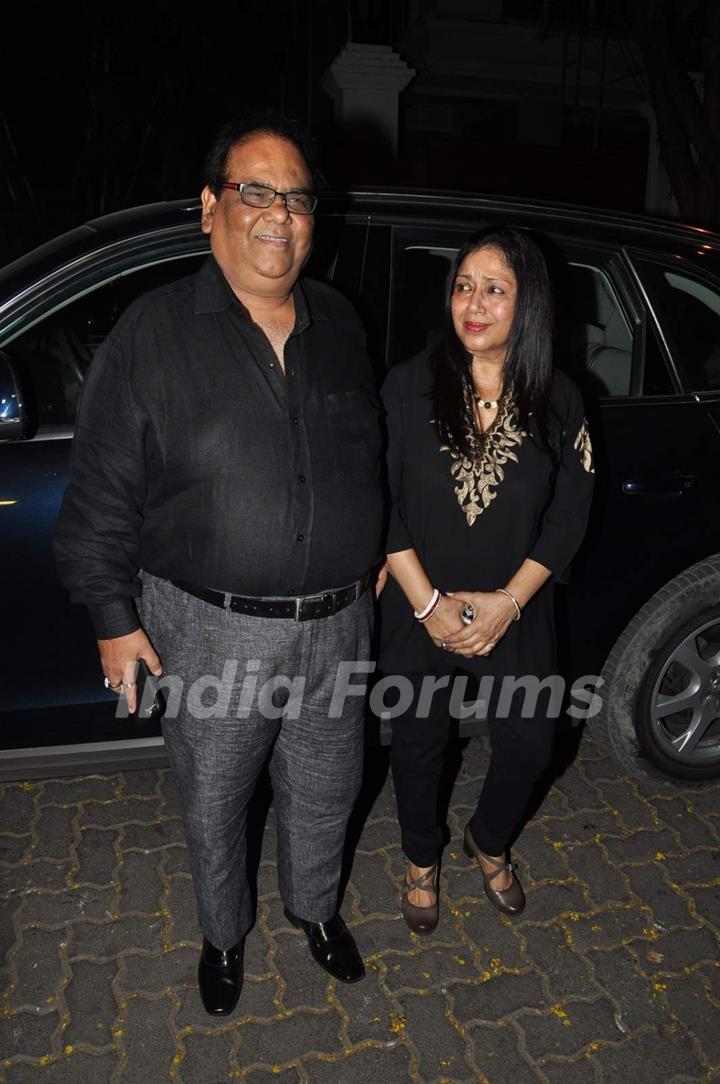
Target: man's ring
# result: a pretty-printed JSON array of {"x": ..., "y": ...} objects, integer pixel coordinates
[
  {"x": 467, "y": 614},
  {"x": 113, "y": 685},
  {"x": 445, "y": 647}
]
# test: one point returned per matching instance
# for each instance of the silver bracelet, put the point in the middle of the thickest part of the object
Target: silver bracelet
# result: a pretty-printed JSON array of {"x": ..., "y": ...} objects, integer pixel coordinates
[{"x": 516, "y": 604}]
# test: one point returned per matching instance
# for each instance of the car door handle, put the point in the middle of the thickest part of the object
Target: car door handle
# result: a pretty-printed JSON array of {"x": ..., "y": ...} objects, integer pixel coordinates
[{"x": 674, "y": 486}]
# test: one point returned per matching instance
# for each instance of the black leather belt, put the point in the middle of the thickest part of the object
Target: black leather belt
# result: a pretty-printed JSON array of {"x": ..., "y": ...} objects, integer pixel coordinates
[{"x": 304, "y": 608}]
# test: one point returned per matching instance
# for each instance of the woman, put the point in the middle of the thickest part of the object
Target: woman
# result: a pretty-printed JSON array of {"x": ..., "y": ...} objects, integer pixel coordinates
[{"x": 491, "y": 476}]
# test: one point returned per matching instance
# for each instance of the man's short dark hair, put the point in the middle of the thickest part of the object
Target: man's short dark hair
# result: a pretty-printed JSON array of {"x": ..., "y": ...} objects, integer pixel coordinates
[{"x": 242, "y": 128}]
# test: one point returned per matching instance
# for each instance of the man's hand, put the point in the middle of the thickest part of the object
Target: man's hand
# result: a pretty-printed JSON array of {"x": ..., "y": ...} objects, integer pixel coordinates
[
  {"x": 381, "y": 580},
  {"x": 119, "y": 658}
]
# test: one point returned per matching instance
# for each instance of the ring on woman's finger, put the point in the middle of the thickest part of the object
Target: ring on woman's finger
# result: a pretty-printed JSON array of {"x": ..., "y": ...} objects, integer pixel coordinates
[
  {"x": 445, "y": 646},
  {"x": 113, "y": 685},
  {"x": 467, "y": 614}
]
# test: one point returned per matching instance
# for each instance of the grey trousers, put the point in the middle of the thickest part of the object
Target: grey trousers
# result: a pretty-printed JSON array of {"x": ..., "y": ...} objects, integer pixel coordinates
[{"x": 221, "y": 730}]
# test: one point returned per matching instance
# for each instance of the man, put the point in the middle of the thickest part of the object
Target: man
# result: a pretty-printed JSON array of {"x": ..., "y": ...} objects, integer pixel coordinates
[{"x": 225, "y": 511}]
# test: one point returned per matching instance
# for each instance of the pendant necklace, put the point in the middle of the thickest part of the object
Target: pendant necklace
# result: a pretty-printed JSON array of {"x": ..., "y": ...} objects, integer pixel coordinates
[{"x": 488, "y": 404}]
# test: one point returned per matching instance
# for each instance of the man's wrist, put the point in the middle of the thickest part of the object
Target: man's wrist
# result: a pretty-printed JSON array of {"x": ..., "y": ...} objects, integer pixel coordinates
[{"x": 114, "y": 619}]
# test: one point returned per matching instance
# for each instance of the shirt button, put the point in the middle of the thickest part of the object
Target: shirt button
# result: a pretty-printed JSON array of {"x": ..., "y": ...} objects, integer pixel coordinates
[
  {"x": 295, "y": 421},
  {"x": 301, "y": 538},
  {"x": 301, "y": 477},
  {"x": 272, "y": 366}
]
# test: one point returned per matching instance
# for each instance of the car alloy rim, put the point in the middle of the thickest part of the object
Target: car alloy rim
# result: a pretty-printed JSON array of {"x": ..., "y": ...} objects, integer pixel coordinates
[{"x": 685, "y": 702}]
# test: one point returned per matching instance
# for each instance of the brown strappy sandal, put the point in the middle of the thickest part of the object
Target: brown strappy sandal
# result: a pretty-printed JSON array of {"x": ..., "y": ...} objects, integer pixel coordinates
[
  {"x": 511, "y": 901},
  {"x": 421, "y": 919}
]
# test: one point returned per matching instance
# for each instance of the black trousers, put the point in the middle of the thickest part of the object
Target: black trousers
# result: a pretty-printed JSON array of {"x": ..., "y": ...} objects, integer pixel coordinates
[{"x": 521, "y": 750}]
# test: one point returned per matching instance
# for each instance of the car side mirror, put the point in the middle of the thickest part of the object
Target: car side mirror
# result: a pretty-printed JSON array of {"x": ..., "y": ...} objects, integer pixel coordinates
[{"x": 13, "y": 415}]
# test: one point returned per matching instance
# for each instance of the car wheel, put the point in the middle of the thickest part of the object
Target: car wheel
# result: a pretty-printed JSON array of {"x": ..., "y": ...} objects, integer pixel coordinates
[{"x": 661, "y": 691}]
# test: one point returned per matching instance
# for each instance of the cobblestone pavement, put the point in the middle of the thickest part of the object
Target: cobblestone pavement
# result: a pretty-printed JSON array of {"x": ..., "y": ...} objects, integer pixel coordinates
[{"x": 612, "y": 973}]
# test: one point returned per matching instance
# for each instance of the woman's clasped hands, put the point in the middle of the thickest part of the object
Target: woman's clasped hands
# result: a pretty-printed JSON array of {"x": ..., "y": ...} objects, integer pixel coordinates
[{"x": 494, "y": 613}]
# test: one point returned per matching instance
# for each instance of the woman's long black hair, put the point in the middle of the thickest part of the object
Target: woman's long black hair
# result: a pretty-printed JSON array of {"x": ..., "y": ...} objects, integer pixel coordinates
[{"x": 528, "y": 366}]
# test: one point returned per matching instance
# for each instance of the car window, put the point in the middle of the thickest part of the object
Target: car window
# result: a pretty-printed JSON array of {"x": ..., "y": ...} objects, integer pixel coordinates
[
  {"x": 420, "y": 274},
  {"x": 597, "y": 341},
  {"x": 596, "y": 338},
  {"x": 54, "y": 355},
  {"x": 688, "y": 314}
]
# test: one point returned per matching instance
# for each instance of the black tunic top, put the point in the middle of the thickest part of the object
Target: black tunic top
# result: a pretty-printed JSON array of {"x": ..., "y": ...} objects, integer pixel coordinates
[{"x": 472, "y": 527}]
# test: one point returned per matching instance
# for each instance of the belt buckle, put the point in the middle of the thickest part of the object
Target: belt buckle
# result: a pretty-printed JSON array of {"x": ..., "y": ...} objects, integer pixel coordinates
[{"x": 300, "y": 602}]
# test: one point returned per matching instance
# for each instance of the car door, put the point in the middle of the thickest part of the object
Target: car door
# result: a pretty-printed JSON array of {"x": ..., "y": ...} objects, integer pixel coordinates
[
  {"x": 655, "y": 510},
  {"x": 51, "y": 689}
]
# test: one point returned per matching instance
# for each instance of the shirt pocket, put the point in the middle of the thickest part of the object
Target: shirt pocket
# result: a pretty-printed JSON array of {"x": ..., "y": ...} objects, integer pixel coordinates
[{"x": 356, "y": 436}]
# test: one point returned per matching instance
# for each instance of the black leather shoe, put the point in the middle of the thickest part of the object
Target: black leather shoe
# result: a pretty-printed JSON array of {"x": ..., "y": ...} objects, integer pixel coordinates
[
  {"x": 333, "y": 946},
  {"x": 220, "y": 977}
]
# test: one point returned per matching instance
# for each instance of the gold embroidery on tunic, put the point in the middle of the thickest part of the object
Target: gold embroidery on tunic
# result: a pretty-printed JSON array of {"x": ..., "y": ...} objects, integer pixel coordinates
[
  {"x": 478, "y": 477},
  {"x": 584, "y": 447}
]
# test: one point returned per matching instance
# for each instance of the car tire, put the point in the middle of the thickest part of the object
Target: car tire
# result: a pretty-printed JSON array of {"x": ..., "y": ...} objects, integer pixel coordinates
[{"x": 653, "y": 660}]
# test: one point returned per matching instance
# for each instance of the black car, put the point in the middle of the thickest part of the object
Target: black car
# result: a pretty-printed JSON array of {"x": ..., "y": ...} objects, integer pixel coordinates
[{"x": 638, "y": 327}]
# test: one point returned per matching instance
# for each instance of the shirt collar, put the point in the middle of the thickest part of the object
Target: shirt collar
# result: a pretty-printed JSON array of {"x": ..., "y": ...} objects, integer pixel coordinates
[{"x": 213, "y": 293}]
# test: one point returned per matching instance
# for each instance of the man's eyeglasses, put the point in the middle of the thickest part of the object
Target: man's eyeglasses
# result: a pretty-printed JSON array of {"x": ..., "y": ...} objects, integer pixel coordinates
[{"x": 261, "y": 195}]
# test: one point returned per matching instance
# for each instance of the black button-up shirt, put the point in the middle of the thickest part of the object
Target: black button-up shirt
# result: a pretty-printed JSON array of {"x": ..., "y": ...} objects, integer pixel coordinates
[{"x": 196, "y": 458}]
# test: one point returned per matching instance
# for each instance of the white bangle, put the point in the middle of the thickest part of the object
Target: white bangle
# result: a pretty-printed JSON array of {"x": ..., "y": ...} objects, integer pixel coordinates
[
  {"x": 516, "y": 604},
  {"x": 422, "y": 615}
]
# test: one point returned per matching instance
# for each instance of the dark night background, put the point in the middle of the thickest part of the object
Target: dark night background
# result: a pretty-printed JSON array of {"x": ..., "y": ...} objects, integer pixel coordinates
[{"x": 109, "y": 105}]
